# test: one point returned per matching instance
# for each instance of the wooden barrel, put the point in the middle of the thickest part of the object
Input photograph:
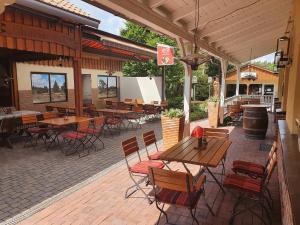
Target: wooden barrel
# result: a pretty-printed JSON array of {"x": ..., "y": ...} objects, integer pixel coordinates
[{"x": 255, "y": 121}]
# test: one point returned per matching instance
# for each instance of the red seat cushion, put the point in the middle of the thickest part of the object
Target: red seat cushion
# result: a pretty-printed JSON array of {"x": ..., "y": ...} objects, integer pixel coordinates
[
  {"x": 143, "y": 166},
  {"x": 243, "y": 183},
  {"x": 155, "y": 156},
  {"x": 37, "y": 130},
  {"x": 177, "y": 197},
  {"x": 255, "y": 169},
  {"x": 92, "y": 131},
  {"x": 74, "y": 135}
]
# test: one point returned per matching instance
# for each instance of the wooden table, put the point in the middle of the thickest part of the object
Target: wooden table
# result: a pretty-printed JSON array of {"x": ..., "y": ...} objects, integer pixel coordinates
[
  {"x": 210, "y": 156},
  {"x": 59, "y": 122},
  {"x": 115, "y": 111}
]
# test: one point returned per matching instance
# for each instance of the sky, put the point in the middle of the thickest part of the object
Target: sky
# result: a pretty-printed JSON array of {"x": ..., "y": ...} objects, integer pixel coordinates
[{"x": 114, "y": 24}]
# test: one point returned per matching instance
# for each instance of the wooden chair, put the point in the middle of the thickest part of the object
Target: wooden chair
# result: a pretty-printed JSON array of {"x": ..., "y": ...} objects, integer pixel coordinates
[
  {"x": 95, "y": 131},
  {"x": 108, "y": 104},
  {"x": 150, "y": 140},
  {"x": 176, "y": 188},
  {"x": 76, "y": 140},
  {"x": 7, "y": 128},
  {"x": 217, "y": 133},
  {"x": 49, "y": 115},
  {"x": 128, "y": 100},
  {"x": 49, "y": 108},
  {"x": 138, "y": 172},
  {"x": 33, "y": 131},
  {"x": 251, "y": 169},
  {"x": 252, "y": 189},
  {"x": 61, "y": 111},
  {"x": 139, "y": 101},
  {"x": 150, "y": 111}
]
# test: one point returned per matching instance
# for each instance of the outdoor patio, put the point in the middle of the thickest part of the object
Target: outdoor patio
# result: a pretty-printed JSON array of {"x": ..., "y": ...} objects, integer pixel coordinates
[{"x": 52, "y": 181}]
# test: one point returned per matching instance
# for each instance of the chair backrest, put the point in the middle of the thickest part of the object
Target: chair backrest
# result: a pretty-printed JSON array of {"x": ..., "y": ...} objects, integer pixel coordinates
[
  {"x": 149, "y": 107},
  {"x": 29, "y": 119},
  {"x": 128, "y": 100},
  {"x": 7, "y": 125},
  {"x": 139, "y": 101},
  {"x": 83, "y": 125},
  {"x": 216, "y": 133},
  {"x": 99, "y": 121},
  {"x": 108, "y": 104},
  {"x": 138, "y": 108},
  {"x": 49, "y": 115},
  {"x": 61, "y": 110},
  {"x": 270, "y": 168},
  {"x": 124, "y": 106},
  {"x": 149, "y": 138},
  {"x": 172, "y": 180},
  {"x": 130, "y": 146},
  {"x": 49, "y": 108}
]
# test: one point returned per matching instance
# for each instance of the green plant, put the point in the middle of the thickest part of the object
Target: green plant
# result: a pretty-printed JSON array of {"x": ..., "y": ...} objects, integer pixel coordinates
[
  {"x": 174, "y": 113},
  {"x": 175, "y": 102},
  {"x": 213, "y": 99},
  {"x": 198, "y": 111}
]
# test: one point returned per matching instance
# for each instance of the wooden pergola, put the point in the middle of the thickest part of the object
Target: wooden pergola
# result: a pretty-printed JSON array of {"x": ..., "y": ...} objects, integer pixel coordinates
[{"x": 228, "y": 29}]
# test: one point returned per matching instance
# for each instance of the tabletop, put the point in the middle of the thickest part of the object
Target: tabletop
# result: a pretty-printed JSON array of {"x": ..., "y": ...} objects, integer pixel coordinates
[
  {"x": 185, "y": 152},
  {"x": 255, "y": 106},
  {"x": 116, "y": 111},
  {"x": 63, "y": 122}
]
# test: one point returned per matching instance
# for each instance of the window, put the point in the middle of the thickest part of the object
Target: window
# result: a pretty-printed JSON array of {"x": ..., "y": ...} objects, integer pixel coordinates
[
  {"x": 230, "y": 90},
  {"x": 107, "y": 86},
  {"x": 255, "y": 89},
  {"x": 48, "y": 87}
]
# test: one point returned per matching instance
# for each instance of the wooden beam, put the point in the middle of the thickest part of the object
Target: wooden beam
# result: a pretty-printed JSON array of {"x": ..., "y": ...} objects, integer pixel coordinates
[
  {"x": 78, "y": 86},
  {"x": 155, "y": 3},
  {"x": 15, "y": 89},
  {"x": 267, "y": 10},
  {"x": 238, "y": 77},
  {"x": 181, "y": 12},
  {"x": 141, "y": 13}
]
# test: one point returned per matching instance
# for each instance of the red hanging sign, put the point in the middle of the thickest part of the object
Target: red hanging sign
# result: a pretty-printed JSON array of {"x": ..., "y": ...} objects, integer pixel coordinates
[{"x": 164, "y": 55}]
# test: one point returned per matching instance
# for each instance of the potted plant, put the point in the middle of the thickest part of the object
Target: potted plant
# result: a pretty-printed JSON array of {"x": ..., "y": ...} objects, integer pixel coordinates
[
  {"x": 213, "y": 111},
  {"x": 172, "y": 122}
]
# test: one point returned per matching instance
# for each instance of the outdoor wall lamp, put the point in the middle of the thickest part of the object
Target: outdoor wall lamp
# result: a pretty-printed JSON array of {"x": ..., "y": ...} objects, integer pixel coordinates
[{"x": 281, "y": 58}]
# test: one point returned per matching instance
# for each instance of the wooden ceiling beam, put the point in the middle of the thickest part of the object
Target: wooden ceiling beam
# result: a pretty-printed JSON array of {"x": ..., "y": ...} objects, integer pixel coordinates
[
  {"x": 188, "y": 10},
  {"x": 138, "y": 12},
  {"x": 267, "y": 10},
  {"x": 242, "y": 28},
  {"x": 244, "y": 35},
  {"x": 155, "y": 3}
]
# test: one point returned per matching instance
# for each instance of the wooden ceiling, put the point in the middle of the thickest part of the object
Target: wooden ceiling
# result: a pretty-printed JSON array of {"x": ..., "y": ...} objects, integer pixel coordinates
[{"x": 227, "y": 28}]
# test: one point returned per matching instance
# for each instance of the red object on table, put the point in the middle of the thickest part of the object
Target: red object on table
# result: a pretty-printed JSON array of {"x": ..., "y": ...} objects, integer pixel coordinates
[{"x": 198, "y": 132}]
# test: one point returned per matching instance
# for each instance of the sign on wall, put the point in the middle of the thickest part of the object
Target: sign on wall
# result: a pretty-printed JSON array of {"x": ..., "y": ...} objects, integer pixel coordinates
[
  {"x": 248, "y": 74},
  {"x": 165, "y": 55}
]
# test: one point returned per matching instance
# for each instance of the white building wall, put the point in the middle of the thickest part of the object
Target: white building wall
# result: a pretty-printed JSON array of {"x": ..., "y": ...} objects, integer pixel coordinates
[{"x": 141, "y": 88}]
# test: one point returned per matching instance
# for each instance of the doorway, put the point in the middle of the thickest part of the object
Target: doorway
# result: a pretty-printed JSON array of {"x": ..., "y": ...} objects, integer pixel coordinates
[
  {"x": 87, "y": 88},
  {"x": 6, "y": 87}
]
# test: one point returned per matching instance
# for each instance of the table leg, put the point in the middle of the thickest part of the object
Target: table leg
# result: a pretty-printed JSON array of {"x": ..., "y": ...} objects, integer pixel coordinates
[
  {"x": 217, "y": 181},
  {"x": 187, "y": 169}
]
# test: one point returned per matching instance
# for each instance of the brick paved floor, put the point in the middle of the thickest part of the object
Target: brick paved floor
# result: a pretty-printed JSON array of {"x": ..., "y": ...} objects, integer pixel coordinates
[
  {"x": 102, "y": 201},
  {"x": 30, "y": 175}
]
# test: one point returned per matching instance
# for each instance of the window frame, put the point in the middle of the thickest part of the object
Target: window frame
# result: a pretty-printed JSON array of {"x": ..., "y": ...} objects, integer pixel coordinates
[
  {"x": 106, "y": 76},
  {"x": 49, "y": 83}
]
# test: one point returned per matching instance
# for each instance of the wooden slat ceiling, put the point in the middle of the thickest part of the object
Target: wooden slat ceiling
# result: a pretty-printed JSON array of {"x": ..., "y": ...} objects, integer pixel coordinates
[{"x": 227, "y": 28}]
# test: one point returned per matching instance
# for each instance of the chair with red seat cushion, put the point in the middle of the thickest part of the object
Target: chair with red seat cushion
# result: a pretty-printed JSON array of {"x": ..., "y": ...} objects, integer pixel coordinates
[
  {"x": 150, "y": 140},
  {"x": 77, "y": 140},
  {"x": 95, "y": 131},
  {"x": 251, "y": 169},
  {"x": 176, "y": 188},
  {"x": 139, "y": 171},
  {"x": 33, "y": 131},
  {"x": 252, "y": 189}
]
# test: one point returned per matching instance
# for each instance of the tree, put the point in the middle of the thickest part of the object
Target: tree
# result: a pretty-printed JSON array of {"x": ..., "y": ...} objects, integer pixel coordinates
[
  {"x": 174, "y": 73},
  {"x": 55, "y": 87}
]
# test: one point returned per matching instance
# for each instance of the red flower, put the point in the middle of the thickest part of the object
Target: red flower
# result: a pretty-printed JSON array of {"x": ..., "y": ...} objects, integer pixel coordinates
[{"x": 198, "y": 132}]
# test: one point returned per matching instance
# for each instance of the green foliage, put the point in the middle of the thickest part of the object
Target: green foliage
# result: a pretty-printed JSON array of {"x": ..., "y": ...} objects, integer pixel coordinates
[
  {"x": 202, "y": 87},
  {"x": 175, "y": 102},
  {"x": 198, "y": 111},
  {"x": 173, "y": 113},
  {"x": 213, "y": 99},
  {"x": 174, "y": 74},
  {"x": 265, "y": 64}
]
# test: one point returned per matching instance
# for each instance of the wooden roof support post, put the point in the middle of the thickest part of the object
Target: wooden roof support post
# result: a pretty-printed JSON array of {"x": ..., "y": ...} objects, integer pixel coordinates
[
  {"x": 78, "y": 86},
  {"x": 238, "y": 77},
  {"x": 224, "y": 66},
  {"x": 187, "y": 88}
]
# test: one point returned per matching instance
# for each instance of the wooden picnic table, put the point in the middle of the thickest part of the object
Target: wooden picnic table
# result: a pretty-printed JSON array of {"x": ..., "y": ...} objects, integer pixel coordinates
[
  {"x": 67, "y": 107},
  {"x": 209, "y": 156}
]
